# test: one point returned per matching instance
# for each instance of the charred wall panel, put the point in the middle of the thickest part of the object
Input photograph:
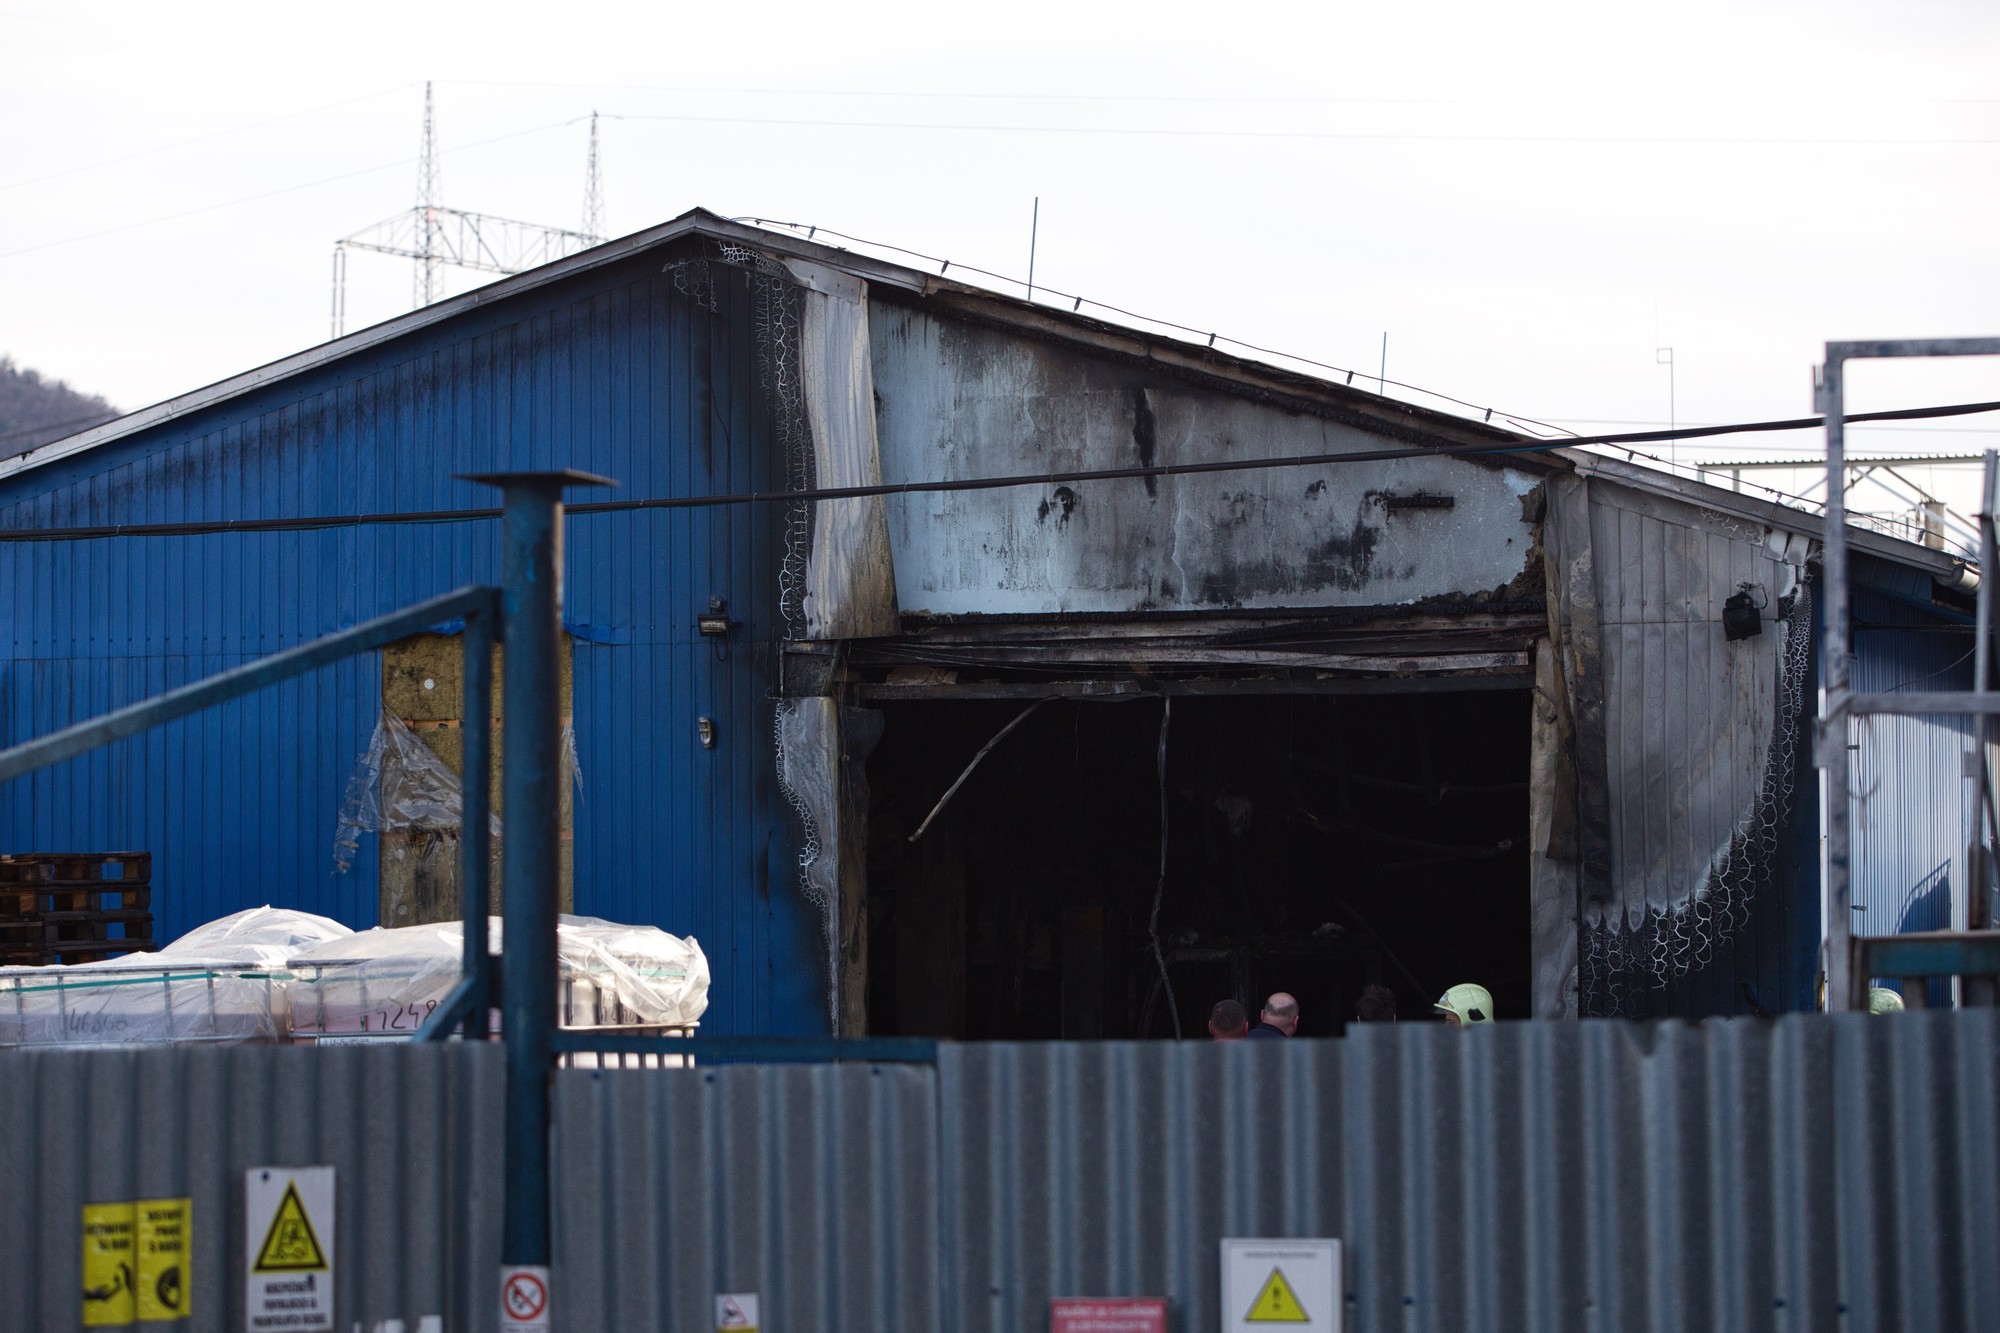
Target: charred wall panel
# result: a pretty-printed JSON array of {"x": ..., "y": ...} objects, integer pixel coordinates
[
  {"x": 959, "y": 400},
  {"x": 1700, "y": 736}
]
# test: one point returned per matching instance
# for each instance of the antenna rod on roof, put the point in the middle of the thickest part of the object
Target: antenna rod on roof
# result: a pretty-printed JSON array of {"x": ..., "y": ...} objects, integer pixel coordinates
[
  {"x": 1034, "y": 227},
  {"x": 1382, "y": 379}
]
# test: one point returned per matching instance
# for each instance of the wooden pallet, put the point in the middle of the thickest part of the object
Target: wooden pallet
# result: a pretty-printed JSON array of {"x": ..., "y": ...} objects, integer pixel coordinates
[{"x": 62, "y": 907}]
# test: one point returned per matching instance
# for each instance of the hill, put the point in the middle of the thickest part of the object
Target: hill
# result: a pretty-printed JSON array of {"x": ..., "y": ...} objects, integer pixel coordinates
[{"x": 35, "y": 411}]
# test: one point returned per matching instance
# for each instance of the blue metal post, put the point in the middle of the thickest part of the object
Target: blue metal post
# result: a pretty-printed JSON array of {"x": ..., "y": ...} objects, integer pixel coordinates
[
  {"x": 475, "y": 841},
  {"x": 530, "y": 859}
]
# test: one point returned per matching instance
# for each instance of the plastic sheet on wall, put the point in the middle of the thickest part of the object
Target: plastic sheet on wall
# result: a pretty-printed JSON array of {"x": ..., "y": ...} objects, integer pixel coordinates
[{"x": 401, "y": 783}]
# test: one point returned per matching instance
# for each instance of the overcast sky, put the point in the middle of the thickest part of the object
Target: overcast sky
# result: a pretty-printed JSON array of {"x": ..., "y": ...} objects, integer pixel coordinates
[{"x": 1530, "y": 199}]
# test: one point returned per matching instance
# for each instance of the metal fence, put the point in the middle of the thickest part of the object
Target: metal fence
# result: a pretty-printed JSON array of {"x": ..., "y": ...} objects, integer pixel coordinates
[
  {"x": 413, "y": 1133},
  {"x": 1813, "y": 1173}
]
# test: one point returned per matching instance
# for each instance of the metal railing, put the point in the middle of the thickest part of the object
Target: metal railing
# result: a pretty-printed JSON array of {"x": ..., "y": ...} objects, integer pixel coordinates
[{"x": 1971, "y": 953}]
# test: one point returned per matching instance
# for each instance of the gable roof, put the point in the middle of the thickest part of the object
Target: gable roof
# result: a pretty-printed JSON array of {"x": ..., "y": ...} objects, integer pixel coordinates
[
  {"x": 1182, "y": 356},
  {"x": 1390, "y": 415}
]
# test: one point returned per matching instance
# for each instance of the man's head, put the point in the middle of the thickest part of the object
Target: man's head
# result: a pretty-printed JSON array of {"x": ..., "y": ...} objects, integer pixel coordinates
[
  {"x": 1228, "y": 1021},
  {"x": 1281, "y": 1011},
  {"x": 1377, "y": 1005}
]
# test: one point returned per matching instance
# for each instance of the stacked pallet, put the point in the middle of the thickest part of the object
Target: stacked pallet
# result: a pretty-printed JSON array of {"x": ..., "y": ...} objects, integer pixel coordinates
[{"x": 74, "y": 907}]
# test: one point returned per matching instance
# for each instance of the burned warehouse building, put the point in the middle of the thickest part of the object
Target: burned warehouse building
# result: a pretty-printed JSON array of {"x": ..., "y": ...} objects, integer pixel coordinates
[{"x": 934, "y": 756}]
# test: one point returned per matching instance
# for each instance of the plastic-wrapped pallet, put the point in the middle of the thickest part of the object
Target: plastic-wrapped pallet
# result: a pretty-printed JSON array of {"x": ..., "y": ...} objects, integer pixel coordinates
[
  {"x": 223, "y": 981},
  {"x": 387, "y": 982}
]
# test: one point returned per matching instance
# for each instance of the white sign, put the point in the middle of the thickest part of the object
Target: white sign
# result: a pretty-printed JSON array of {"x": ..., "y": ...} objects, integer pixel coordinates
[
  {"x": 288, "y": 1249},
  {"x": 1281, "y": 1286},
  {"x": 736, "y": 1312},
  {"x": 524, "y": 1298}
]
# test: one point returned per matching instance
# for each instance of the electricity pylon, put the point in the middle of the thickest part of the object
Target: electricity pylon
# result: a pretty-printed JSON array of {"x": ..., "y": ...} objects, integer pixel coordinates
[{"x": 433, "y": 236}]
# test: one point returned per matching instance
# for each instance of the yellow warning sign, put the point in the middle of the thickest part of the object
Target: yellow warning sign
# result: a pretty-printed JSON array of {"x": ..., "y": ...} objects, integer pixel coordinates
[
  {"x": 107, "y": 1265},
  {"x": 164, "y": 1240},
  {"x": 290, "y": 1245},
  {"x": 1276, "y": 1303}
]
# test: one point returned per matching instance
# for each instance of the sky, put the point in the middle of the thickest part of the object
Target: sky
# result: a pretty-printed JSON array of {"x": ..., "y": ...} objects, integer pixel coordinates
[{"x": 1529, "y": 200}]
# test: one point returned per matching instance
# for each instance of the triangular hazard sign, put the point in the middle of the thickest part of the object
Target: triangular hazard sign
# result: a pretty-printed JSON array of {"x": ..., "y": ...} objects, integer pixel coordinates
[
  {"x": 1276, "y": 1303},
  {"x": 290, "y": 1245},
  {"x": 732, "y": 1314}
]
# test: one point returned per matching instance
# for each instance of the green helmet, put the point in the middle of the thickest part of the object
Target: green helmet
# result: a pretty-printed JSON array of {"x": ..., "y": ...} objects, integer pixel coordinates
[
  {"x": 1467, "y": 1002},
  {"x": 1882, "y": 1000}
]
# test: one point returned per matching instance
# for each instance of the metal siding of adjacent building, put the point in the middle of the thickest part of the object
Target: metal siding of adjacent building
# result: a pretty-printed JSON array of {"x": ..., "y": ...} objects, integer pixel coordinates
[
  {"x": 1908, "y": 808},
  {"x": 615, "y": 372},
  {"x": 413, "y": 1134}
]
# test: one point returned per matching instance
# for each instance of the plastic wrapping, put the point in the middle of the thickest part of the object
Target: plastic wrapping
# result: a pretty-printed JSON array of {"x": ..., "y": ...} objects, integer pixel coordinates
[
  {"x": 401, "y": 783},
  {"x": 223, "y": 981},
  {"x": 386, "y": 982},
  {"x": 257, "y": 937}
]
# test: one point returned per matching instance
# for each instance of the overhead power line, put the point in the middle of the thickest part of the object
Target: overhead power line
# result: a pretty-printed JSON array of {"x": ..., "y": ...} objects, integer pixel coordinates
[
  {"x": 73, "y": 424},
  {"x": 1353, "y": 136},
  {"x": 271, "y": 194},
  {"x": 1491, "y": 449}
]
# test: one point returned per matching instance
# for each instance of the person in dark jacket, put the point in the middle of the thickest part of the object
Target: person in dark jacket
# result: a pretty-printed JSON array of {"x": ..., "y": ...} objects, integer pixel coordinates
[{"x": 1279, "y": 1019}]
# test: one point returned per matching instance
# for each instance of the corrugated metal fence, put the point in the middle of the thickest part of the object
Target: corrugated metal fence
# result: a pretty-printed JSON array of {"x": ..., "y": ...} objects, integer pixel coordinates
[
  {"x": 413, "y": 1133},
  {"x": 1813, "y": 1173}
]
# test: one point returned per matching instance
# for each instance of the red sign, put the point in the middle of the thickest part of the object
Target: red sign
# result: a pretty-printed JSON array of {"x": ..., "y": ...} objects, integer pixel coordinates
[
  {"x": 524, "y": 1298},
  {"x": 1071, "y": 1315}
]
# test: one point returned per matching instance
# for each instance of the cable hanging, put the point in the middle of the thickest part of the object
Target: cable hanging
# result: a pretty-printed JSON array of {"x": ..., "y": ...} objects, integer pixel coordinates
[{"x": 1481, "y": 450}]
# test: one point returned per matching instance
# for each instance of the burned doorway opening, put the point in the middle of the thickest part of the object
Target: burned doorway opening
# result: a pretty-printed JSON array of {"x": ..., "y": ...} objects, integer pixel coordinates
[{"x": 1316, "y": 843}]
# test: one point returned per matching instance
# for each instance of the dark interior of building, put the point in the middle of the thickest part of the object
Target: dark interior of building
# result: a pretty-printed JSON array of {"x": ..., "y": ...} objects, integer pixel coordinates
[{"x": 1316, "y": 843}]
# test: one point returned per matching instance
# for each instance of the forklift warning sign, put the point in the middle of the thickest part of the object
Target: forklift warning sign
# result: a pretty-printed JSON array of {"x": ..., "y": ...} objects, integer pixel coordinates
[
  {"x": 1278, "y": 1285},
  {"x": 288, "y": 1239}
]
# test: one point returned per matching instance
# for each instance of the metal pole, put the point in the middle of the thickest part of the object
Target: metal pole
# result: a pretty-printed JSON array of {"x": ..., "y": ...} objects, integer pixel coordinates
[
  {"x": 475, "y": 844},
  {"x": 1978, "y": 911},
  {"x": 1034, "y": 232},
  {"x": 1837, "y": 931},
  {"x": 531, "y": 790}
]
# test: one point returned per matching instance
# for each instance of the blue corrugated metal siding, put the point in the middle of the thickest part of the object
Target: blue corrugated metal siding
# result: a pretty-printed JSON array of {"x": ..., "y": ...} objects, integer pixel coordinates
[
  {"x": 1908, "y": 774},
  {"x": 614, "y": 372}
]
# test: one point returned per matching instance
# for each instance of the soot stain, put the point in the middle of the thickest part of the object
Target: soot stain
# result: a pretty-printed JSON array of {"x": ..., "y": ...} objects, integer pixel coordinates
[
  {"x": 1062, "y": 503},
  {"x": 1145, "y": 436}
]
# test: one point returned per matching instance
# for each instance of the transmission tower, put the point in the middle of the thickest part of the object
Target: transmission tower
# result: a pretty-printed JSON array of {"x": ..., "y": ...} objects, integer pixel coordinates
[
  {"x": 429, "y": 281},
  {"x": 433, "y": 236},
  {"x": 593, "y": 187}
]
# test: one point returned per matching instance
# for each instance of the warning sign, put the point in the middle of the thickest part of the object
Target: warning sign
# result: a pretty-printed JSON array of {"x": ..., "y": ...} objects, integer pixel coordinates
[
  {"x": 1281, "y": 1284},
  {"x": 288, "y": 1223},
  {"x": 1277, "y": 1303},
  {"x": 163, "y": 1241},
  {"x": 736, "y": 1312},
  {"x": 108, "y": 1274},
  {"x": 290, "y": 1245},
  {"x": 1093, "y": 1315},
  {"x": 524, "y": 1298}
]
